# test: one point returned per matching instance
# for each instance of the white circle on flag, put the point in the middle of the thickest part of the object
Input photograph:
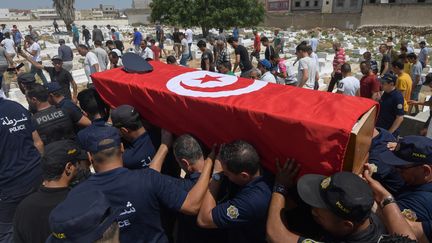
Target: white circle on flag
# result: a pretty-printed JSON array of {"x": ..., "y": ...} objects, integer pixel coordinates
[{"x": 203, "y": 80}]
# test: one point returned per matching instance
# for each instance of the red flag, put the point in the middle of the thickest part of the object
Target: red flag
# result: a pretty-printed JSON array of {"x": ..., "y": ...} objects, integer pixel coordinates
[{"x": 280, "y": 121}]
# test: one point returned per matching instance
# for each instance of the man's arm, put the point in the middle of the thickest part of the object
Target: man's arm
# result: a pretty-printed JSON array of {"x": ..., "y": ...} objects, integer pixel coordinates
[
  {"x": 84, "y": 122},
  {"x": 236, "y": 63},
  {"x": 159, "y": 158},
  {"x": 277, "y": 232},
  {"x": 205, "y": 216},
  {"x": 386, "y": 67},
  {"x": 396, "y": 124},
  {"x": 304, "y": 79},
  {"x": 393, "y": 219},
  {"x": 194, "y": 198},
  {"x": 96, "y": 66},
  {"x": 376, "y": 96},
  {"x": 35, "y": 64},
  {"x": 38, "y": 142},
  {"x": 207, "y": 64},
  {"x": 74, "y": 90}
]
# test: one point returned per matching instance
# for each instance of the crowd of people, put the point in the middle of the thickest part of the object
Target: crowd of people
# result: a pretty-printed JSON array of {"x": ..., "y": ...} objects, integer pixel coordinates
[{"x": 72, "y": 169}]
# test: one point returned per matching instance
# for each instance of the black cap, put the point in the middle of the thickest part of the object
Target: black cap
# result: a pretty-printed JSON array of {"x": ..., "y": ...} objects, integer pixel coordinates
[
  {"x": 124, "y": 116},
  {"x": 56, "y": 58},
  {"x": 411, "y": 150},
  {"x": 388, "y": 78},
  {"x": 26, "y": 78},
  {"x": 62, "y": 151},
  {"x": 81, "y": 217},
  {"x": 344, "y": 193},
  {"x": 93, "y": 138}
]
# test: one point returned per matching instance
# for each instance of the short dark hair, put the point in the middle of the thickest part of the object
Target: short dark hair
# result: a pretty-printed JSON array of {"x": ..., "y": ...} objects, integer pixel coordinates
[
  {"x": 153, "y": 41},
  {"x": 25, "y": 37},
  {"x": 98, "y": 42},
  {"x": 188, "y": 148},
  {"x": 7, "y": 35},
  {"x": 52, "y": 170},
  {"x": 83, "y": 46},
  {"x": 239, "y": 156},
  {"x": 171, "y": 60},
  {"x": 274, "y": 56},
  {"x": 412, "y": 56},
  {"x": 201, "y": 43},
  {"x": 91, "y": 102},
  {"x": 113, "y": 54},
  {"x": 94, "y": 26},
  {"x": 109, "y": 42},
  {"x": 403, "y": 48},
  {"x": 366, "y": 63},
  {"x": 264, "y": 39},
  {"x": 232, "y": 39},
  {"x": 39, "y": 92},
  {"x": 302, "y": 48},
  {"x": 402, "y": 56},
  {"x": 398, "y": 64},
  {"x": 346, "y": 68},
  {"x": 225, "y": 64}
]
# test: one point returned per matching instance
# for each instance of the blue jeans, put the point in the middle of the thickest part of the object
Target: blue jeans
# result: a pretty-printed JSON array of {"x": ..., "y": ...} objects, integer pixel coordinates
[
  {"x": 184, "y": 59},
  {"x": 190, "y": 53}
]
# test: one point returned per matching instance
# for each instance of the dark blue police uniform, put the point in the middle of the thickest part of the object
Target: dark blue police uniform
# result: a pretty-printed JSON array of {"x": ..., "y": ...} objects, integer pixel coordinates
[
  {"x": 82, "y": 135},
  {"x": 391, "y": 105},
  {"x": 73, "y": 110},
  {"x": 20, "y": 170},
  {"x": 139, "y": 194},
  {"x": 386, "y": 174},
  {"x": 139, "y": 153},
  {"x": 416, "y": 202},
  {"x": 245, "y": 215}
]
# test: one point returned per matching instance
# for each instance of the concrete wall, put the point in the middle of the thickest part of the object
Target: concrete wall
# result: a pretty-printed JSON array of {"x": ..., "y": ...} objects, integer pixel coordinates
[
  {"x": 307, "y": 20},
  {"x": 394, "y": 15}
]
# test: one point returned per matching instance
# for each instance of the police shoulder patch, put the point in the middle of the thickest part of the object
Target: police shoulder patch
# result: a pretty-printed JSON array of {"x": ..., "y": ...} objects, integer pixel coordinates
[
  {"x": 232, "y": 212},
  {"x": 409, "y": 214},
  {"x": 400, "y": 106}
]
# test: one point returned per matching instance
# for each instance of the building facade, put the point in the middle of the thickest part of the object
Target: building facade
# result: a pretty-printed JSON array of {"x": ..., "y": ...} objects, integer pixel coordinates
[
  {"x": 109, "y": 11},
  {"x": 45, "y": 14},
  {"x": 278, "y": 5},
  {"x": 306, "y": 5},
  {"x": 4, "y": 14},
  {"x": 141, "y": 3}
]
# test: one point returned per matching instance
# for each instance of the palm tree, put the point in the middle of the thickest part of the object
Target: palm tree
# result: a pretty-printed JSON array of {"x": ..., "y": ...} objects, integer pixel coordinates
[{"x": 65, "y": 9}]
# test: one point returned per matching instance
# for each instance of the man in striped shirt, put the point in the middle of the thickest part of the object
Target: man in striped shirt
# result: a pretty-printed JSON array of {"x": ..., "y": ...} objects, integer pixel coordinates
[{"x": 338, "y": 61}]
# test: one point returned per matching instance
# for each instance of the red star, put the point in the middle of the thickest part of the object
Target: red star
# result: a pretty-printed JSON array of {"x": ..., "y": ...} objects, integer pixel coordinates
[{"x": 208, "y": 78}]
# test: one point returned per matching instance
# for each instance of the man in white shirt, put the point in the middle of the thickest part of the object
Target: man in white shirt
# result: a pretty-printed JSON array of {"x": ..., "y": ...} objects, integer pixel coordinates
[
  {"x": 184, "y": 50},
  {"x": 349, "y": 85},
  {"x": 307, "y": 70},
  {"x": 189, "y": 38},
  {"x": 314, "y": 42},
  {"x": 34, "y": 49},
  {"x": 91, "y": 64},
  {"x": 265, "y": 66},
  {"x": 9, "y": 46},
  {"x": 146, "y": 53}
]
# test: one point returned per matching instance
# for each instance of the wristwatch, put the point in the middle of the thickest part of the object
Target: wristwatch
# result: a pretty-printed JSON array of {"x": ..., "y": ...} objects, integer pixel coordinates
[
  {"x": 280, "y": 189},
  {"x": 217, "y": 176},
  {"x": 387, "y": 201}
]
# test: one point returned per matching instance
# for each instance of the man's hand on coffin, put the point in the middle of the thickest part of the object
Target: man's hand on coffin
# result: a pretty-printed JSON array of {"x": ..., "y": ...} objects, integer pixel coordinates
[
  {"x": 392, "y": 146},
  {"x": 166, "y": 138},
  {"x": 217, "y": 167},
  {"x": 380, "y": 193},
  {"x": 287, "y": 173}
]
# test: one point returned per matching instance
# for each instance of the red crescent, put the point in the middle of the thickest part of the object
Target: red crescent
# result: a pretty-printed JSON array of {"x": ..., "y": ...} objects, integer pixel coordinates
[{"x": 240, "y": 84}]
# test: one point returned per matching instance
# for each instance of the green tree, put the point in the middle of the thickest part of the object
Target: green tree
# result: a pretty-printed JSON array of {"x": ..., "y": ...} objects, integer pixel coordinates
[
  {"x": 66, "y": 10},
  {"x": 208, "y": 13}
]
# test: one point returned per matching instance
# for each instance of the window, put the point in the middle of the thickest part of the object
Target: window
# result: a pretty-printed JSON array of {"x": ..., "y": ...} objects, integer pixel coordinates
[
  {"x": 297, "y": 4},
  {"x": 354, "y": 3},
  {"x": 278, "y": 5},
  {"x": 372, "y": 1},
  {"x": 316, "y": 3},
  {"x": 307, "y": 3},
  {"x": 340, "y": 3}
]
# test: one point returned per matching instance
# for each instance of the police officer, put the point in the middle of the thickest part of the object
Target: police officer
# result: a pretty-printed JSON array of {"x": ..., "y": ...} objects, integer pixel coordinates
[
  {"x": 57, "y": 98},
  {"x": 139, "y": 149},
  {"x": 139, "y": 193},
  {"x": 84, "y": 217},
  {"x": 20, "y": 170},
  {"x": 57, "y": 74},
  {"x": 391, "y": 112},
  {"x": 26, "y": 81},
  {"x": 52, "y": 123},
  {"x": 412, "y": 157},
  {"x": 245, "y": 214},
  {"x": 386, "y": 174}
]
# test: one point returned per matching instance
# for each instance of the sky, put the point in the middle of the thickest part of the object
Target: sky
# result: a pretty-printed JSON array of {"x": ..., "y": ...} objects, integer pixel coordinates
[{"x": 79, "y": 4}]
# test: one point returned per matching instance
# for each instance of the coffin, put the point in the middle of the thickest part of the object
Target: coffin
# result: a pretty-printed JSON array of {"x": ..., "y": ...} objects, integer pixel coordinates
[{"x": 324, "y": 132}]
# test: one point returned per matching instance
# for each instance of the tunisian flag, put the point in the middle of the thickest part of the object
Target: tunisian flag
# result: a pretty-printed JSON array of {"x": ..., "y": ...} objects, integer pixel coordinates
[{"x": 279, "y": 121}]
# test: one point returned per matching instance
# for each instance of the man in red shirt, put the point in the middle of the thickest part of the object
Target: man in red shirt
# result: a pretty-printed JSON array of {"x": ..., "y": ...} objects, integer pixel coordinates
[
  {"x": 156, "y": 50},
  {"x": 369, "y": 84},
  {"x": 338, "y": 61},
  {"x": 257, "y": 46}
]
